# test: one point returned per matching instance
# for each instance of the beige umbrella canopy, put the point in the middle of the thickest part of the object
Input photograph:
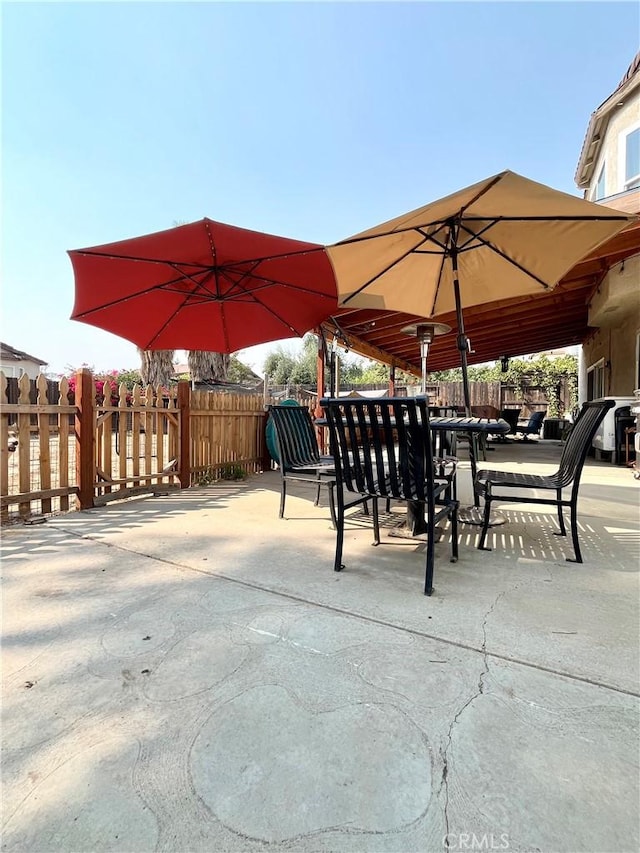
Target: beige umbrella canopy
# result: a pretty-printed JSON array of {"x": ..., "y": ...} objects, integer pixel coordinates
[{"x": 507, "y": 236}]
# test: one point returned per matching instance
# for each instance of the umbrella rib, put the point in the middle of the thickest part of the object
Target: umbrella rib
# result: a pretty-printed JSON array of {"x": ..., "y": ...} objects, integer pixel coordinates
[
  {"x": 267, "y": 282},
  {"x": 479, "y": 194},
  {"x": 207, "y": 271},
  {"x": 143, "y": 260},
  {"x": 167, "y": 321},
  {"x": 277, "y": 316},
  {"x": 365, "y": 237},
  {"x": 436, "y": 289},
  {"x": 214, "y": 258},
  {"x": 258, "y": 260},
  {"x": 284, "y": 255},
  {"x": 165, "y": 285},
  {"x": 168, "y": 286},
  {"x": 466, "y": 246},
  {"x": 419, "y": 228},
  {"x": 506, "y": 257},
  {"x": 267, "y": 308},
  {"x": 559, "y": 218},
  {"x": 432, "y": 237},
  {"x": 383, "y": 271}
]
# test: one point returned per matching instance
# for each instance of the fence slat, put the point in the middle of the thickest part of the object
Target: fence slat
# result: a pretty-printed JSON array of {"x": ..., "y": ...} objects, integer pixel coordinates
[
  {"x": 85, "y": 437},
  {"x": 44, "y": 462},
  {"x": 24, "y": 446},
  {"x": 63, "y": 446}
]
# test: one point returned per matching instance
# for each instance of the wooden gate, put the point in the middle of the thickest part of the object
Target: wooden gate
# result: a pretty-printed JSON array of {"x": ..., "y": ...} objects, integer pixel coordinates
[{"x": 137, "y": 437}]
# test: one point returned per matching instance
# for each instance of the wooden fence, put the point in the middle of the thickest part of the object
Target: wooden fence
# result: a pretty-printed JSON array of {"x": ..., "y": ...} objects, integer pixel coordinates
[
  {"x": 528, "y": 399},
  {"x": 111, "y": 443},
  {"x": 95, "y": 445},
  {"x": 497, "y": 395},
  {"x": 41, "y": 468}
]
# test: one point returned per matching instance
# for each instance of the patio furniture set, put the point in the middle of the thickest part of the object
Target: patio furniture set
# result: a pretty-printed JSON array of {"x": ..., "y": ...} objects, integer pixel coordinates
[{"x": 392, "y": 449}]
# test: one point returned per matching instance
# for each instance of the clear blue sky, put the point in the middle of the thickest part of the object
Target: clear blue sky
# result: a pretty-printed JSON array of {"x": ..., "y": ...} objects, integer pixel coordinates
[{"x": 311, "y": 120}]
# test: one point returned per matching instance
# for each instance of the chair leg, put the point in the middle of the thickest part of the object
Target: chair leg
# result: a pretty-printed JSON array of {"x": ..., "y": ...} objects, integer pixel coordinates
[
  {"x": 338, "y": 565},
  {"x": 563, "y": 529},
  {"x": 453, "y": 516},
  {"x": 283, "y": 495},
  {"x": 485, "y": 524},
  {"x": 376, "y": 522},
  {"x": 431, "y": 546},
  {"x": 574, "y": 532},
  {"x": 317, "y": 500},
  {"x": 332, "y": 503},
  {"x": 428, "y": 577}
]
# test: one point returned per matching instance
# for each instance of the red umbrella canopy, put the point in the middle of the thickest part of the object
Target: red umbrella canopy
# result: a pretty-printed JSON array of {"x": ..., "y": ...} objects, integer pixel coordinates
[{"x": 204, "y": 286}]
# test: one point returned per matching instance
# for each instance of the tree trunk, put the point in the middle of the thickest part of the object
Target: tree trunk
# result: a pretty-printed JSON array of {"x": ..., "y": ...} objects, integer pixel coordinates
[
  {"x": 156, "y": 366},
  {"x": 207, "y": 366}
]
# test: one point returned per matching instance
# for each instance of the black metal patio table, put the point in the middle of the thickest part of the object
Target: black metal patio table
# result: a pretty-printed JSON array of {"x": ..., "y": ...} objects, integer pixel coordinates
[
  {"x": 471, "y": 426},
  {"x": 440, "y": 425}
]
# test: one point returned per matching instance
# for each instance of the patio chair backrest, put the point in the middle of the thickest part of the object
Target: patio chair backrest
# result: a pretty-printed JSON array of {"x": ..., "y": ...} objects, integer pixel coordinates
[
  {"x": 511, "y": 416},
  {"x": 535, "y": 422},
  {"x": 577, "y": 445},
  {"x": 295, "y": 435},
  {"x": 382, "y": 448}
]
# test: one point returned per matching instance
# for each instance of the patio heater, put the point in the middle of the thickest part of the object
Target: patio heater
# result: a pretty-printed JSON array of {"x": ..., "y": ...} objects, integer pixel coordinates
[{"x": 425, "y": 332}]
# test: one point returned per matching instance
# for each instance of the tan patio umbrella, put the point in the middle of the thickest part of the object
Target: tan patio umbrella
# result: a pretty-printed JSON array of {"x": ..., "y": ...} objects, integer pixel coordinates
[{"x": 506, "y": 236}]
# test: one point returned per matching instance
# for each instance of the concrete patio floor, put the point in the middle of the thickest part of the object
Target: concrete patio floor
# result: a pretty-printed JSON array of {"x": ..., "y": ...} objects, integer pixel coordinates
[{"x": 187, "y": 673}]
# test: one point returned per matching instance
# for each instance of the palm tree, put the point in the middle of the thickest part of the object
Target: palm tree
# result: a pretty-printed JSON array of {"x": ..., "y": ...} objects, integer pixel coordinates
[
  {"x": 208, "y": 366},
  {"x": 156, "y": 366}
]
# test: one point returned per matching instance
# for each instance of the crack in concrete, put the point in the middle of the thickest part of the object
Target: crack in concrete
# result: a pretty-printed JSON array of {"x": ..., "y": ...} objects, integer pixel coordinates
[
  {"x": 343, "y": 611},
  {"x": 444, "y": 753}
]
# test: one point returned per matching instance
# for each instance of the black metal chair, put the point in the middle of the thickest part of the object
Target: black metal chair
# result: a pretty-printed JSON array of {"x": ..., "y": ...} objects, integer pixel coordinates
[
  {"x": 487, "y": 483},
  {"x": 299, "y": 457},
  {"x": 532, "y": 427},
  {"x": 383, "y": 449}
]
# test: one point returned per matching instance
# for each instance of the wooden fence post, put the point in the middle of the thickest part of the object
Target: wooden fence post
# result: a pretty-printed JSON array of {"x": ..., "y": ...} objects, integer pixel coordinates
[
  {"x": 184, "y": 450},
  {"x": 85, "y": 437}
]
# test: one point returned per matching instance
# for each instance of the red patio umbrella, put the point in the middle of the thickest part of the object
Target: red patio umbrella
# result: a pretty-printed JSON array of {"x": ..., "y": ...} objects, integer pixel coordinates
[{"x": 204, "y": 286}]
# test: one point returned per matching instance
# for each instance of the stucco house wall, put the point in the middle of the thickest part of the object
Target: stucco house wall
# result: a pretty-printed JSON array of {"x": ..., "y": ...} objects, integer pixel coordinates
[
  {"x": 614, "y": 309},
  {"x": 612, "y": 154},
  {"x": 615, "y": 313}
]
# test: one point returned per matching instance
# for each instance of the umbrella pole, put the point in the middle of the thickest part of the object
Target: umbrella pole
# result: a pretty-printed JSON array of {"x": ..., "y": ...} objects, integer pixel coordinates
[
  {"x": 463, "y": 348},
  {"x": 463, "y": 343},
  {"x": 468, "y": 514}
]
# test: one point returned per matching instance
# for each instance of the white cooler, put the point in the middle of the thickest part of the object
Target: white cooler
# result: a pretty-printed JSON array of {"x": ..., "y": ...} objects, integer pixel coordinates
[
  {"x": 605, "y": 437},
  {"x": 635, "y": 410}
]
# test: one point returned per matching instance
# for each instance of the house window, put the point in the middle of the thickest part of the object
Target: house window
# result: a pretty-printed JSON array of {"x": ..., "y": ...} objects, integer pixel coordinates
[
  {"x": 632, "y": 160},
  {"x": 600, "y": 190},
  {"x": 595, "y": 380}
]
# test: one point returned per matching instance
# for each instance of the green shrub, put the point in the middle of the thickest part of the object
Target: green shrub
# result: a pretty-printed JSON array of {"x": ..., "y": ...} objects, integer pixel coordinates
[{"x": 228, "y": 471}]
